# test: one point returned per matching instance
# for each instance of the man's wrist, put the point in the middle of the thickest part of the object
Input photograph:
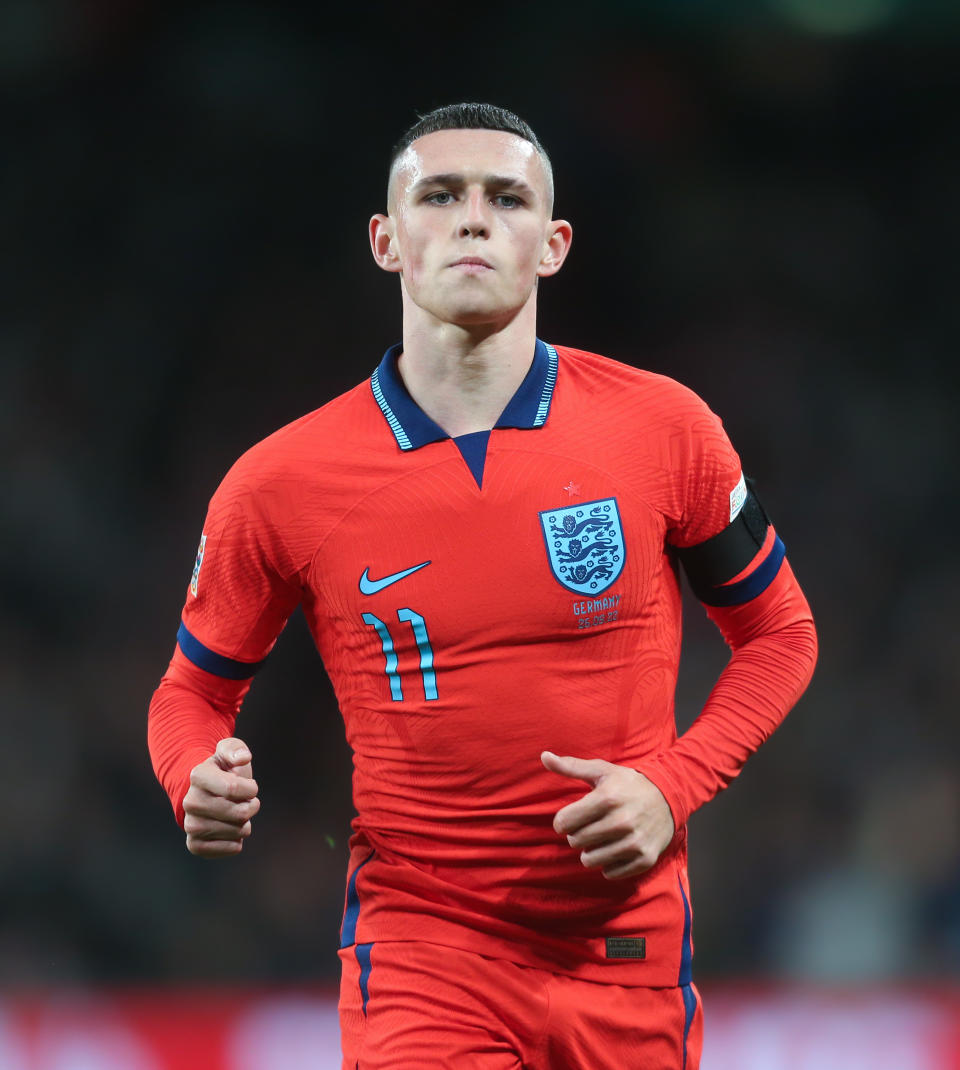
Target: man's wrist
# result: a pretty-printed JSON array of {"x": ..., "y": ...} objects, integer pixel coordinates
[{"x": 654, "y": 769}]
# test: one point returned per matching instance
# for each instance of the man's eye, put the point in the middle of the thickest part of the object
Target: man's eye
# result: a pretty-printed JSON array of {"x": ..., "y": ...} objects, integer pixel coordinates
[
  {"x": 440, "y": 197},
  {"x": 507, "y": 200}
]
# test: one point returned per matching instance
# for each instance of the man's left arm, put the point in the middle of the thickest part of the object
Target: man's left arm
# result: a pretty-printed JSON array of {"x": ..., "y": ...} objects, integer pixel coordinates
[
  {"x": 631, "y": 815},
  {"x": 737, "y": 567},
  {"x": 773, "y": 646}
]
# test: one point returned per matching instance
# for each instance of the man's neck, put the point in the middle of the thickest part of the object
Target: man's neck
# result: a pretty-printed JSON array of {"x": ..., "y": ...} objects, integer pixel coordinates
[{"x": 464, "y": 378}]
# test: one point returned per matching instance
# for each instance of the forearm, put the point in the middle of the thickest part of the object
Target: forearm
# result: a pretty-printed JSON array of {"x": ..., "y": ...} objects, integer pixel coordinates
[
  {"x": 774, "y": 650},
  {"x": 190, "y": 712}
]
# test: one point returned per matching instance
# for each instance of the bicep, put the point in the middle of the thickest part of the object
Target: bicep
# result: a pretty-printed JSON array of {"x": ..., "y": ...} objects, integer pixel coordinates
[{"x": 242, "y": 591}]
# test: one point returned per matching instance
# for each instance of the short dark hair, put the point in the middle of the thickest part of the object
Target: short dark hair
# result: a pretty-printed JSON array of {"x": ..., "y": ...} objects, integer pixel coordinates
[
  {"x": 472, "y": 117},
  {"x": 467, "y": 117}
]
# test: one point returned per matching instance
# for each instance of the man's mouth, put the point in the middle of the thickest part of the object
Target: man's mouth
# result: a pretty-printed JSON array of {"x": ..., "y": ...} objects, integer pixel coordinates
[{"x": 476, "y": 262}]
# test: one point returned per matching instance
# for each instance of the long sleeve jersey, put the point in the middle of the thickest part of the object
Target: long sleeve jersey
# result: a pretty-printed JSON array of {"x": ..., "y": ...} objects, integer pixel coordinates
[{"x": 476, "y": 601}]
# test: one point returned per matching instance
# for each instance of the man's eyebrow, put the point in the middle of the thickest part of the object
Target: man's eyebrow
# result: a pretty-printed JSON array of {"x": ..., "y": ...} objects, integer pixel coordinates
[{"x": 457, "y": 181}]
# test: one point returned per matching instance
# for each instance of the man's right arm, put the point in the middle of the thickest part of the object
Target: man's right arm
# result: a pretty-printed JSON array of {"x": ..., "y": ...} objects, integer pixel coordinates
[
  {"x": 189, "y": 725},
  {"x": 210, "y": 783},
  {"x": 243, "y": 589}
]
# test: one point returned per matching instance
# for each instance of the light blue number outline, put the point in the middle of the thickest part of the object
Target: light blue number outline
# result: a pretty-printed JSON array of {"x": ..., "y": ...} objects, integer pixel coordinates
[
  {"x": 419, "y": 626},
  {"x": 386, "y": 641}
]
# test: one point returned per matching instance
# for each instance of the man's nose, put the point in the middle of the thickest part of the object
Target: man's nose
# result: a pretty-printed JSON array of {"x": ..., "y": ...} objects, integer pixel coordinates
[{"x": 475, "y": 221}]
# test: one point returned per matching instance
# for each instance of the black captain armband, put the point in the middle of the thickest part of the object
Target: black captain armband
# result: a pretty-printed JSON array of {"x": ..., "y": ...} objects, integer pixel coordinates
[{"x": 712, "y": 564}]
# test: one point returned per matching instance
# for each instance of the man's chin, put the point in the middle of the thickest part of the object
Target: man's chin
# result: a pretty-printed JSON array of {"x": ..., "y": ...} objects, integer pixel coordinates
[
  {"x": 477, "y": 315},
  {"x": 470, "y": 310}
]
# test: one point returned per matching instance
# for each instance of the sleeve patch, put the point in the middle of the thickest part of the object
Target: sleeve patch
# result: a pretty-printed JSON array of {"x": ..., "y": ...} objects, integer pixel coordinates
[
  {"x": 195, "y": 578},
  {"x": 737, "y": 497}
]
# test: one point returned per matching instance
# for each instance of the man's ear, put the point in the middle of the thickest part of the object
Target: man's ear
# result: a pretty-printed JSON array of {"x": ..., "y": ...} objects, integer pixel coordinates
[
  {"x": 382, "y": 244},
  {"x": 556, "y": 247}
]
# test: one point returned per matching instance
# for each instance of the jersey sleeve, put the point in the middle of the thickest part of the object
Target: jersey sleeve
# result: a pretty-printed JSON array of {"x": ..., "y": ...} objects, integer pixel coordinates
[
  {"x": 736, "y": 565},
  {"x": 707, "y": 482},
  {"x": 719, "y": 530},
  {"x": 245, "y": 584},
  {"x": 774, "y": 650},
  {"x": 243, "y": 589}
]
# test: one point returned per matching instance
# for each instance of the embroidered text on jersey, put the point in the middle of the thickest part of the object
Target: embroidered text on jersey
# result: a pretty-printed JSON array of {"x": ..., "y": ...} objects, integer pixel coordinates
[
  {"x": 369, "y": 586},
  {"x": 585, "y": 545}
]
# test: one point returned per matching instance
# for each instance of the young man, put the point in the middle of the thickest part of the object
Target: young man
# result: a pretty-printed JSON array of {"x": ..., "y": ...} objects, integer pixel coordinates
[{"x": 484, "y": 537}]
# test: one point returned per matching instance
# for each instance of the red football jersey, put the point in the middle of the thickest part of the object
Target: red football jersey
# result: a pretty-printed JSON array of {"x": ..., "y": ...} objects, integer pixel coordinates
[{"x": 475, "y": 602}]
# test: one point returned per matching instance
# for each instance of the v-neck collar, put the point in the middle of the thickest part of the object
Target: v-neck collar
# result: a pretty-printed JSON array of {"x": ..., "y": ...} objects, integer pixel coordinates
[{"x": 412, "y": 427}]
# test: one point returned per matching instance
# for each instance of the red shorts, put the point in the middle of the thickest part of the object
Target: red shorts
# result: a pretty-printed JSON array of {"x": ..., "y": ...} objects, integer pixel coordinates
[{"x": 418, "y": 1006}]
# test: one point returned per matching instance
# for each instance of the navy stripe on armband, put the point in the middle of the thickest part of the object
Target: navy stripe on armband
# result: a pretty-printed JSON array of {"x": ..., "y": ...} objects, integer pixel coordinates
[
  {"x": 735, "y": 594},
  {"x": 214, "y": 663}
]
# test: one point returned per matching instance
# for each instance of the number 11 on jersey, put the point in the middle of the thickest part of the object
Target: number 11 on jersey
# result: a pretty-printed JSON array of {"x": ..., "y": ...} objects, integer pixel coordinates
[{"x": 419, "y": 626}]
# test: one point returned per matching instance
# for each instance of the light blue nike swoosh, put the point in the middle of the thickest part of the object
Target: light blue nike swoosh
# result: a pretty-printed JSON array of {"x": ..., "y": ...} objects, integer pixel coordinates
[{"x": 369, "y": 586}]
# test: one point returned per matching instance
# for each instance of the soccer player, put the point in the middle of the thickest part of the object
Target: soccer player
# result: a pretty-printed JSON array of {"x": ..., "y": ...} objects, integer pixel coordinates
[{"x": 485, "y": 538}]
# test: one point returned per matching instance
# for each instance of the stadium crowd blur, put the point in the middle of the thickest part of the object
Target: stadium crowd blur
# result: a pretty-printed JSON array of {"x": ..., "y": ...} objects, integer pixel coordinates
[{"x": 766, "y": 207}]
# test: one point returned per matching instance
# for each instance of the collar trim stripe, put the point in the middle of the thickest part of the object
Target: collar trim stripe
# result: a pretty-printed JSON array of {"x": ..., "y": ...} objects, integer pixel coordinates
[
  {"x": 546, "y": 397},
  {"x": 529, "y": 407},
  {"x": 395, "y": 426}
]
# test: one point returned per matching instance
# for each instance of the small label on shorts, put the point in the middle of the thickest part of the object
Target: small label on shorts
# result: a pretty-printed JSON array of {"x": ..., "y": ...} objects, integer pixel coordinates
[{"x": 626, "y": 947}]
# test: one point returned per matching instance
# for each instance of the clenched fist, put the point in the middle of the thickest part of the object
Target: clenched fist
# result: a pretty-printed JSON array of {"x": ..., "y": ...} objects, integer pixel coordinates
[{"x": 221, "y": 801}]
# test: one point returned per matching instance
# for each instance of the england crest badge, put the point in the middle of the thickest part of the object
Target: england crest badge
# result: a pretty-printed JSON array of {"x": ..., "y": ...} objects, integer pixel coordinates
[{"x": 585, "y": 545}]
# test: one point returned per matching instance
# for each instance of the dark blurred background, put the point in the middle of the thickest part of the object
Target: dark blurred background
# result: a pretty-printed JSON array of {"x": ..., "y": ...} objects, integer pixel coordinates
[{"x": 766, "y": 201}]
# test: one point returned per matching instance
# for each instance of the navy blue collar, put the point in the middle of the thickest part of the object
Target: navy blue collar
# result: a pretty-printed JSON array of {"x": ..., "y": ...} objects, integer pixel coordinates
[{"x": 413, "y": 428}]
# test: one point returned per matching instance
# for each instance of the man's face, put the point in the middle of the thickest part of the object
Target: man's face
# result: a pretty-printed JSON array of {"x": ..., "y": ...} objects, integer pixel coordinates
[{"x": 469, "y": 225}]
